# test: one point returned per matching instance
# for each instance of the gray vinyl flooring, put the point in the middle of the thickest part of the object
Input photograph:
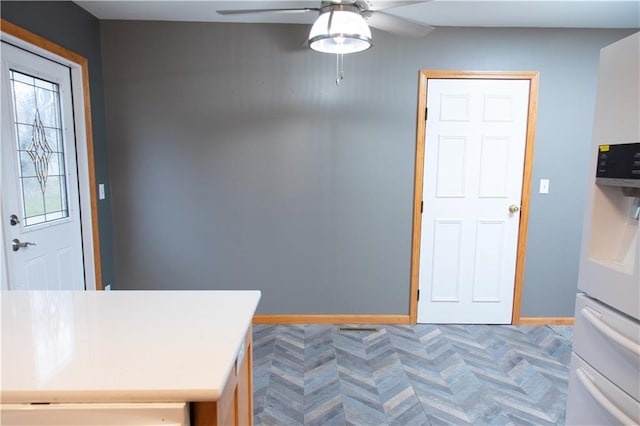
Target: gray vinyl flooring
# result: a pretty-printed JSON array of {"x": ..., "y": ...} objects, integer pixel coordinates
[{"x": 410, "y": 375}]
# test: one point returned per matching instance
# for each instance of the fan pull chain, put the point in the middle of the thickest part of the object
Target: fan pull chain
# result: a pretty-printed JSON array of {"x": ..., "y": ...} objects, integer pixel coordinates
[{"x": 339, "y": 68}]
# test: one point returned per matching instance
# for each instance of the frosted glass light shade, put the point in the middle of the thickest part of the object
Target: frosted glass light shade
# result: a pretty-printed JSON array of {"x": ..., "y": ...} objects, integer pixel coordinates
[{"x": 340, "y": 31}]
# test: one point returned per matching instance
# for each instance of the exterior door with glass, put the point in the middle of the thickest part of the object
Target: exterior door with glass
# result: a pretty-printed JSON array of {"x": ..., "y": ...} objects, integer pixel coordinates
[{"x": 41, "y": 228}]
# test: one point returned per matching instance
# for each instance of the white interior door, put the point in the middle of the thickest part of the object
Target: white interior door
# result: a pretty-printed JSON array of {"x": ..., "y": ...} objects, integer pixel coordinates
[
  {"x": 473, "y": 171},
  {"x": 41, "y": 231}
]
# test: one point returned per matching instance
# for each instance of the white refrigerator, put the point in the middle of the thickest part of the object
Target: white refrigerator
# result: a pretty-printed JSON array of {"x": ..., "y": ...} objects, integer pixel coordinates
[{"x": 604, "y": 382}]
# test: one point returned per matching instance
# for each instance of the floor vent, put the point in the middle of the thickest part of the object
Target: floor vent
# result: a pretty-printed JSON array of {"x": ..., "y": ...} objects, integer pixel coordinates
[{"x": 367, "y": 329}]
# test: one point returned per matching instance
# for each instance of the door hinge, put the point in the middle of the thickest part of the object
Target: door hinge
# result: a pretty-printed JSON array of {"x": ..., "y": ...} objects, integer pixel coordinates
[
  {"x": 418, "y": 295},
  {"x": 426, "y": 113},
  {"x": 421, "y": 206}
]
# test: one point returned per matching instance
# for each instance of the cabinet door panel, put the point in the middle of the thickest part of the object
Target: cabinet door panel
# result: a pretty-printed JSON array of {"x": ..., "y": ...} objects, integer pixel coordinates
[{"x": 235, "y": 406}]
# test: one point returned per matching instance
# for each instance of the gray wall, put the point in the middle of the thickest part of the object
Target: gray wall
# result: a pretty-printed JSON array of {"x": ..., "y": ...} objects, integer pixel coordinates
[
  {"x": 237, "y": 163},
  {"x": 70, "y": 26}
]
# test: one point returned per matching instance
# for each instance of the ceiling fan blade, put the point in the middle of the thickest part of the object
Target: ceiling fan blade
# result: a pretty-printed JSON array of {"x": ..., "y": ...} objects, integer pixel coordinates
[
  {"x": 375, "y": 5},
  {"x": 393, "y": 24},
  {"x": 247, "y": 11}
]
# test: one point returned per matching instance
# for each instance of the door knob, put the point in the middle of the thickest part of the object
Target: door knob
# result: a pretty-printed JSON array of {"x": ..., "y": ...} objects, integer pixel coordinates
[
  {"x": 513, "y": 208},
  {"x": 17, "y": 245}
]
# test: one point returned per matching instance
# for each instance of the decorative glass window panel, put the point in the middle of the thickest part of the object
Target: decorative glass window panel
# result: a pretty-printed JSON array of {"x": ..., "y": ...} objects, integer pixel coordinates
[{"x": 40, "y": 149}]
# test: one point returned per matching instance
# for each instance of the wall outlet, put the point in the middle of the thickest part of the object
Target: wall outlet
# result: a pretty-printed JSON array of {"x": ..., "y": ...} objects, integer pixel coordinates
[
  {"x": 107, "y": 287},
  {"x": 544, "y": 186}
]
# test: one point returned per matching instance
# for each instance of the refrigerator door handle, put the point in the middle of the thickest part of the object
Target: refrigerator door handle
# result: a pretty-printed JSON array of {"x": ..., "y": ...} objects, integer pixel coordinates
[
  {"x": 602, "y": 399},
  {"x": 610, "y": 332}
]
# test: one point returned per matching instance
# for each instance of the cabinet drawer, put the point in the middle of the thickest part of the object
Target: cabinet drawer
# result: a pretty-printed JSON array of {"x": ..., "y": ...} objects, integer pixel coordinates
[{"x": 169, "y": 414}]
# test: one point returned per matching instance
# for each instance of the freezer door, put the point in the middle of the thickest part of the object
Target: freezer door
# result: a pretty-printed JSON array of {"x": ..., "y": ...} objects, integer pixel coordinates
[
  {"x": 609, "y": 342},
  {"x": 594, "y": 400}
]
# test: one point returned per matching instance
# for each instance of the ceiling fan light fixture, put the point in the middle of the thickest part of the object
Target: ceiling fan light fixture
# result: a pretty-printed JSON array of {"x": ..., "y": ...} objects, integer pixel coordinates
[{"x": 340, "y": 29}]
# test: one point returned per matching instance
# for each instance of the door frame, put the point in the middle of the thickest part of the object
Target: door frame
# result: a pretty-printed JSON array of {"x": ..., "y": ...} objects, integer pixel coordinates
[
  {"x": 424, "y": 76},
  {"x": 79, "y": 67}
]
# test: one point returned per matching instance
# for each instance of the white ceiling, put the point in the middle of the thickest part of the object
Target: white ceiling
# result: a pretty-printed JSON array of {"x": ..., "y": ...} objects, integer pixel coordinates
[{"x": 439, "y": 13}]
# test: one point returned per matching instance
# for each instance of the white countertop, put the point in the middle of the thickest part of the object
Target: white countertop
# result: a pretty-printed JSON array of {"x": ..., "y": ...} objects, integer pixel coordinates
[{"x": 121, "y": 346}]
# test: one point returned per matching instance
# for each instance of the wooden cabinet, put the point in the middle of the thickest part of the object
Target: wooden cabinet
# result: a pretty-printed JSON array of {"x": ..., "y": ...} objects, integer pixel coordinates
[
  {"x": 147, "y": 357},
  {"x": 235, "y": 406}
]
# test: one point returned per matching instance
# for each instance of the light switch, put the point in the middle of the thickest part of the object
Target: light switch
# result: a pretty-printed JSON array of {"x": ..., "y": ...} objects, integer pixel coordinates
[
  {"x": 101, "y": 191},
  {"x": 544, "y": 186}
]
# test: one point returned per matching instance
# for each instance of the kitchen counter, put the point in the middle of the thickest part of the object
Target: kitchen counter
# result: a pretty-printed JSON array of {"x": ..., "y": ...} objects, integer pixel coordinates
[{"x": 123, "y": 346}]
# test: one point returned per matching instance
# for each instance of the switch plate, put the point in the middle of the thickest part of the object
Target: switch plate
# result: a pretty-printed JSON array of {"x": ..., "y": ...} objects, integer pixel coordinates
[
  {"x": 544, "y": 186},
  {"x": 101, "y": 195}
]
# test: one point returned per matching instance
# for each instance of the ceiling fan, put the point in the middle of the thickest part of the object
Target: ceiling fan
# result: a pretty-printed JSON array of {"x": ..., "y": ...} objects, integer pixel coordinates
[
  {"x": 344, "y": 17},
  {"x": 342, "y": 26}
]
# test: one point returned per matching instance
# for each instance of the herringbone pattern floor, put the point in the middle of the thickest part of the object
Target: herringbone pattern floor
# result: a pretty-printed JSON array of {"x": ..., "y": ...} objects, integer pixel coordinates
[{"x": 410, "y": 375}]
